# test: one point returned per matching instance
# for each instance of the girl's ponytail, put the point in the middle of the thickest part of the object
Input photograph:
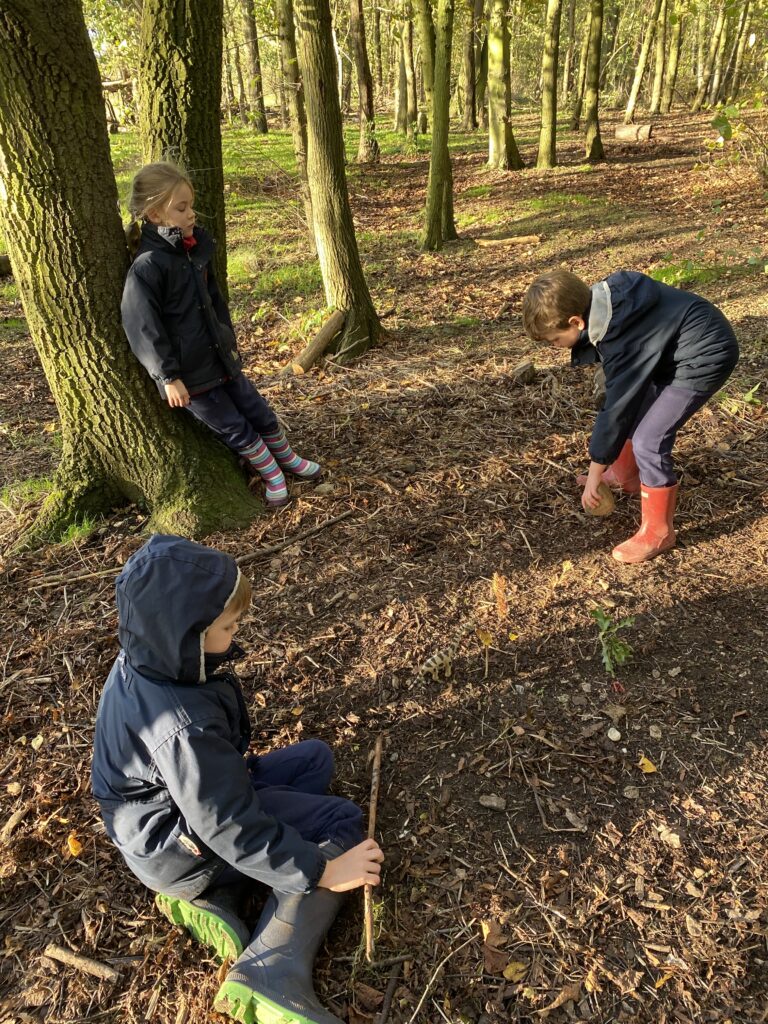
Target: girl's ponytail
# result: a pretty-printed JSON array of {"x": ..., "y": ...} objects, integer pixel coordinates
[{"x": 133, "y": 237}]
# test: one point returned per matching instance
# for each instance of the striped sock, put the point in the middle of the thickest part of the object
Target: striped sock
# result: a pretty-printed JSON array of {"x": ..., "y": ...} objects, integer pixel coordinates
[
  {"x": 288, "y": 459},
  {"x": 261, "y": 459}
]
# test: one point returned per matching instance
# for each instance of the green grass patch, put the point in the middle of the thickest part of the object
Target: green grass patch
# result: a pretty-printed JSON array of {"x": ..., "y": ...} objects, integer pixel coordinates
[
  {"x": 476, "y": 192},
  {"x": 560, "y": 200},
  {"x": 679, "y": 273},
  {"x": 9, "y": 291},
  {"x": 80, "y": 530},
  {"x": 24, "y": 492},
  {"x": 287, "y": 282}
]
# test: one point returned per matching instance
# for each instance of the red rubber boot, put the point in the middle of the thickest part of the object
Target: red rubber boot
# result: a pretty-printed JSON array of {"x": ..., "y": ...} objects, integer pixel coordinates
[
  {"x": 623, "y": 473},
  {"x": 656, "y": 533}
]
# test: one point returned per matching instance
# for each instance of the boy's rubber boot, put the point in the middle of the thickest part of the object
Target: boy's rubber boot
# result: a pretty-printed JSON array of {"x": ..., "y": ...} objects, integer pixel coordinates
[
  {"x": 213, "y": 918},
  {"x": 271, "y": 983},
  {"x": 623, "y": 473},
  {"x": 656, "y": 533}
]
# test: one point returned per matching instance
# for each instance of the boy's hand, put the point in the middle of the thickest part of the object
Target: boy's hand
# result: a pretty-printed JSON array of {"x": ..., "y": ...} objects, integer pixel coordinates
[
  {"x": 177, "y": 394},
  {"x": 359, "y": 866},
  {"x": 589, "y": 497}
]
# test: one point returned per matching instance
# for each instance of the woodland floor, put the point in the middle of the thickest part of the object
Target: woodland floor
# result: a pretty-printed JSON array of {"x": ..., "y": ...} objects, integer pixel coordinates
[{"x": 609, "y": 893}]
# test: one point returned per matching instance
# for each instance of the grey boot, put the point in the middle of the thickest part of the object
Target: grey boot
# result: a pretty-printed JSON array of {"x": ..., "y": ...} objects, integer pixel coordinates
[
  {"x": 213, "y": 918},
  {"x": 271, "y": 983}
]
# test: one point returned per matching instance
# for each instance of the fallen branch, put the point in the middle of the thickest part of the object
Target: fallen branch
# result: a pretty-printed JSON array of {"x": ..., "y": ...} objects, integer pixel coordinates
[
  {"x": 309, "y": 355},
  {"x": 389, "y": 995},
  {"x": 633, "y": 132},
  {"x": 81, "y": 963},
  {"x": 368, "y": 889},
  {"x": 271, "y": 549},
  {"x": 511, "y": 240}
]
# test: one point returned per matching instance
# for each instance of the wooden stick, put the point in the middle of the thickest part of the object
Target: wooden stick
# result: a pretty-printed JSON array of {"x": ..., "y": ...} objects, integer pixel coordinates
[
  {"x": 511, "y": 240},
  {"x": 309, "y": 355},
  {"x": 394, "y": 975},
  {"x": 368, "y": 890},
  {"x": 81, "y": 963},
  {"x": 270, "y": 549}
]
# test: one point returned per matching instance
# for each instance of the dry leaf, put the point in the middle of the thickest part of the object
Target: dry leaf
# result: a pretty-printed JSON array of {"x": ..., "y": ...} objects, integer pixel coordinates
[
  {"x": 484, "y": 637},
  {"x": 297, "y": 711},
  {"x": 645, "y": 765},
  {"x": 13, "y": 788},
  {"x": 516, "y": 970},
  {"x": 37, "y": 742},
  {"x": 570, "y": 993},
  {"x": 575, "y": 820},
  {"x": 693, "y": 927},
  {"x": 368, "y": 998},
  {"x": 671, "y": 837},
  {"x": 493, "y": 803},
  {"x": 664, "y": 979},
  {"x": 74, "y": 845},
  {"x": 499, "y": 589}
]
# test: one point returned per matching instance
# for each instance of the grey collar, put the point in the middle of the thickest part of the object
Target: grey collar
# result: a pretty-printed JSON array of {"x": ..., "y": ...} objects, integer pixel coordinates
[{"x": 600, "y": 312}]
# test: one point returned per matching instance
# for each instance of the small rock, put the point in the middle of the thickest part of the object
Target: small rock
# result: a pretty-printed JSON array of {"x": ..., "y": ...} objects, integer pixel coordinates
[
  {"x": 654, "y": 732},
  {"x": 613, "y": 735},
  {"x": 324, "y": 489},
  {"x": 631, "y": 792},
  {"x": 494, "y": 803},
  {"x": 674, "y": 671},
  {"x": 524, "y": 373}
]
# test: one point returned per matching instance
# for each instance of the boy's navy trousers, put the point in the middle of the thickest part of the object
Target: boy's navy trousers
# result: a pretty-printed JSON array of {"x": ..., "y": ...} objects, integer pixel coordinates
[{"x": 235, "y": 412}]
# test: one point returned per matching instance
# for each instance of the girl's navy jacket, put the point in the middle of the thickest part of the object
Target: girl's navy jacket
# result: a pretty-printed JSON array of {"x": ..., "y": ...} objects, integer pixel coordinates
[
  {"x": 174, "y": 315},
  {"x": 645, "y": 332},
  {"x": 168, "y": 767}
]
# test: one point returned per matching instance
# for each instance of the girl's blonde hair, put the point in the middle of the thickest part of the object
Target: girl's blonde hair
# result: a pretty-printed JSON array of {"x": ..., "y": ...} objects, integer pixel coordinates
[{"x": 153, "y": 186}]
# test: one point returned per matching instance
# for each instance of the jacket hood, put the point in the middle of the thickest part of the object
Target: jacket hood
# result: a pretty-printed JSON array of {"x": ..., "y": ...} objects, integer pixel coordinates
[
  {"x": 158, "y": 238},
  {"x": 618, "y": 301},
  {"x": 168, "y": 594}
]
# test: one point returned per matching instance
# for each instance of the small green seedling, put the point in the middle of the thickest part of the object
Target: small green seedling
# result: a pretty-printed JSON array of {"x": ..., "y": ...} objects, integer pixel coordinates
[{"x": 615, "y": 651}]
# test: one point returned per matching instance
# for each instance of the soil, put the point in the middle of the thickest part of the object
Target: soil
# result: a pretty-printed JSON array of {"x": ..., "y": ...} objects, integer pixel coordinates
[{"x": 614, "y": 876}]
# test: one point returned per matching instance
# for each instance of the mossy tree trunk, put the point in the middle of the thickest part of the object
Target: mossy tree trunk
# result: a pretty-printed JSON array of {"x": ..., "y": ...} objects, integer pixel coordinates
[
  {"x": 673, "y": 59},
  {"x": 738, "y": 62},
  {"x": 425, "y": 27},
  {"x": 503, "y": 153},
  {"x": 547, "y": 156},
  {"x": 567, "y": 80},
  {"x": 439, "y": 223},
  {"x": 368, "y": 148},
  {"x": 410, "y": 75},
  {"x": 180, "y": 102},
  {"x": 642, "y": 63},
  {"x": 286, "y": 34},
  {"x": 255, "y": 80},
  {"x": 343, "y": 278},
  {"x": 709, "y": 62},
  {"x": 660, "y": 60},
  {"x": 120, "y": 441},
  {"x": 594, "y": 143},
  {"x": 717, "y": 72},
  {"x": 578, "y": 100}
]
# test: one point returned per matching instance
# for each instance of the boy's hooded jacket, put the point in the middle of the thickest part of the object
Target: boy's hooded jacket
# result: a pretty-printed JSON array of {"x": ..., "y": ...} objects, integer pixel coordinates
[
  {"x": 646, "y": 332},
  {"x": 176, "y": 320},
  {"x": 168, "y": 767}
]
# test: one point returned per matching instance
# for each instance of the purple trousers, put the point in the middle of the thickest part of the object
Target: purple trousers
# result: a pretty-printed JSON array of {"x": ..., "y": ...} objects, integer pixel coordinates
[{"x": 664, "y": 411}]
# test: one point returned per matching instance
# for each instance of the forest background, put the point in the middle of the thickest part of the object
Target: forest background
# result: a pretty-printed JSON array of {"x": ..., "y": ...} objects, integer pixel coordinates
[{"x": 554, "y": 849}]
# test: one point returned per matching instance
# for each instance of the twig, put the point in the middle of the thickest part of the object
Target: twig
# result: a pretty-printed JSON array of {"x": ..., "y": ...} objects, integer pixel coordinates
[
  {"x": 389, "y": 995},
  {"x": 368, "y": 890},
  {"x": 81, "y": 963},
  {"x": 53, "y": 581},
  {"x": 271, "y": 549},
  {"x": 435, "y": 973}
]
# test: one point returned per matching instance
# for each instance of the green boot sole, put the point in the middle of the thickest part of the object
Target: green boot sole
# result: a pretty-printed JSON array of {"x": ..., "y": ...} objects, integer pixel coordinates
[
  {"x": 248, "y": 1007},
  {"x": 208, "y": 927}
]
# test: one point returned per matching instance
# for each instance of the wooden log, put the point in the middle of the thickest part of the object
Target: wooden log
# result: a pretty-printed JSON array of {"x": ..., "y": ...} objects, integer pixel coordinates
[
  {"x": 5, "y": 266},
  {"x": 633, "y": 132},
  {"x": 511, "y": 240},
  {"x": 309, "y": 355},
  {"x": 81, "y": 963}
]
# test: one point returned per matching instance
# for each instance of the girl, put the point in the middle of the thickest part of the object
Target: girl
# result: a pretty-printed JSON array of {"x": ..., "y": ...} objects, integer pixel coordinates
[{"x": 180, "y": 330}]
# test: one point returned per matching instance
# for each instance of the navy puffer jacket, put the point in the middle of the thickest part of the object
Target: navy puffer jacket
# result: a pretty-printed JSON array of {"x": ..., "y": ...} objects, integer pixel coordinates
[
  {"x": 168, "y": 767},
  {"x": 646, "y": 332},
  {"x": 174, "y": 315}
]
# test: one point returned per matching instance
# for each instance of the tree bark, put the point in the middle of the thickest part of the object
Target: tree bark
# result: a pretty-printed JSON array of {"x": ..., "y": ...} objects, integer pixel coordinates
[
  {"x": 400, "y": 122},
  {"x": 469, "y": 123},
  {"x": 594, "y": 144},
  {"x": 583, "y": 56},
  {"x": 660, "y": 59},
  {"x": 368, "y": 148},
  {"x": 286, "y": 34},
  {"x": 229, "y": 90},
  {"x": 229, "y": 30},
  {"x": 439, "y": 223},
  {"x": 709, "y": 63},
  {"x": 180, "y": 101},
  {"x": 567, "y": 81},
  {"x": 673, "y": 61},
  {"x": 735, "y": 82},
  {"x": 503, "y": 153},
  {"x": 255, "y": 82},
  {"x": 547, "y": 156},
  {"x": 343, "y": 278},
  {"x": 717, "y": 72},
  {"x": 642, "y": 63},
  {"x": 426, "y": 30},
  {"x": 410, "y": 77},
  {"x": 120, "y": 442},
  {"x": 377, "y": 46}
]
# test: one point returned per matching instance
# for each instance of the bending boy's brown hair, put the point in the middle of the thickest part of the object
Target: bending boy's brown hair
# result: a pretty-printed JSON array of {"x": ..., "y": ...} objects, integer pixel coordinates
[{"x": 551, "y": 300}]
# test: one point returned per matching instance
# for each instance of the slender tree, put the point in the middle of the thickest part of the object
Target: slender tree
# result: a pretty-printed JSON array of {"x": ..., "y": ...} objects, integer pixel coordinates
[
  {"x": 470, "y": 110},
  {"x": 547, "y": 156},
  {"x": 368, "y": 148},
  {"x": 660, "y": 59},
  {"x": 735, "y": 81},
  {"x": 400, "y": 121},
  {"x": 180, "y": 102},
  {"x": 717, "y": 71},
  {"x": 673, "y": 59},
  {"x": 286, "y": 34},
  {"x": 343, "y": 278},
  {"x": 412, "y": 103},
  {"x": 709, "y": 62},
  {"x": 503, "y": 153},
  {"x": 439, "y": 223},
  {"x": 230, "y": 34},
  {"x": 119, "y": 441},
  {"x": 567, "y": 80},
  {"x": 377, "y": 46},
  {"x": 425, "y": 27},
  {"x": 578, "y": 101},
  {"x": 255, "y": 82},
  {"x": 594, "y": 144},
  {"x": 642, "y": 63}
]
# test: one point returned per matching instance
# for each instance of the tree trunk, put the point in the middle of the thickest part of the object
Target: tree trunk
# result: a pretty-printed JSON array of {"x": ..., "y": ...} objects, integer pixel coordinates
[
  {"x": 670, "y": 77},
  {"x": 547, "y": 156},
  {"x": 426, "y": 30},
  {"x": 567, "y": 83},
  {"x": 503, "y": 153},
  {"x": 343, "y": 279},
  {"x": 642, "y": 63},
  {"x": 660, "y": 59},
  {"x": 400, "y": 123},
  {"x": 701, "y": 49},
  {"x": 229, "y": 88},
  {"x": 594, "y": 144},
  {"x": 230, "y": 32},
  {"x": 410, "y": 78},
  {"x": 255, "y": 83},
  {"x": 120, "y": 442},
  {"x": 439, "y": 223},
  {"x": 481, "y": 63},
  {"x": 284, "y": 118},
  {"x": 368, "y": 148},
  {"x": 709, "y": 63},
  {"x": 717, "y": 71},
  {"x": 180, "y": 86},
  {"x": 735, "y": 83},
  {"x": 469, "y": 123},
  {"x": 583, "y": 56},
  {"x": 286, "y": 34},
  {"x": 377, "y": 46}
]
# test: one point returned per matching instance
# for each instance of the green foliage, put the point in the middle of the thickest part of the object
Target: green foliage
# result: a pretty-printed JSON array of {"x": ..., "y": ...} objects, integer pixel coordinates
[
  {"x": 25, "y": 492},
  {"x": 81, "y": 529},
  {"x": 742, "y": 139},
  {"x": 615, "y": 651}
]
